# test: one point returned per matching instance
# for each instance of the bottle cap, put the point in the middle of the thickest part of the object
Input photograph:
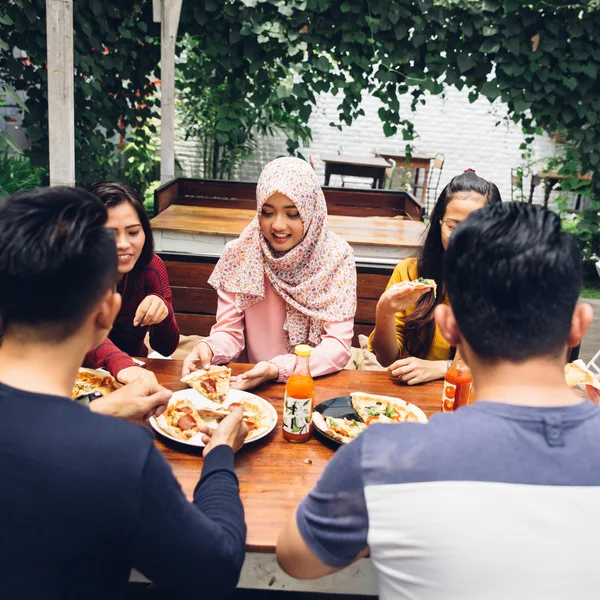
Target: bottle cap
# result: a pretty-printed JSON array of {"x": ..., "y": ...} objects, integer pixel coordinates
[{"x": 303, "y": 350}]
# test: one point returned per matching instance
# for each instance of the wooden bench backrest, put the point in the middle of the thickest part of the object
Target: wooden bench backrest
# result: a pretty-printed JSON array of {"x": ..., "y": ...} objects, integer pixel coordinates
[
  {"x": 242, "y": 194},
  {"x": 195, "y": 301}
]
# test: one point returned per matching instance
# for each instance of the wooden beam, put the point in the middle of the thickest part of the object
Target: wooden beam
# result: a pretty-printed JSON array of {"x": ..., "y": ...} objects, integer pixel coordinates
[
  {"x": 61, "y": 105},
  {"x": 156, "y": 10},
  {"x": 171, "y": 11}
]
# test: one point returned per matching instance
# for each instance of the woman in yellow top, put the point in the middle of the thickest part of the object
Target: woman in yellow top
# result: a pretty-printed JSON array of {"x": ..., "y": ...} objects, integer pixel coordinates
[{"x": 406, "y": 338}]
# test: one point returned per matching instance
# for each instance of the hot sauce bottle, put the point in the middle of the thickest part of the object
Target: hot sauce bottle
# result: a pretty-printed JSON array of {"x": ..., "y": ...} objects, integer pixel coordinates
[
  {"x": 457, "y": 385},
  {"x": 299, "y": 399}
]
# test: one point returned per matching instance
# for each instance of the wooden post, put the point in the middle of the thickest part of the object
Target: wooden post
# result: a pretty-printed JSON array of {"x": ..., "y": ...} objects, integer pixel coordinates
[
  {"x": 61, "y": 105},
  {"x": 171, "y": 10}
]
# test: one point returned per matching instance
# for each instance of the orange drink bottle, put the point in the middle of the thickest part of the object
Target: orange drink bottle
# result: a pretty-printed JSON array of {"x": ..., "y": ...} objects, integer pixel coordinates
[
  {"x": 457, "y": 385},
  {"x": 299, "y": 399}
]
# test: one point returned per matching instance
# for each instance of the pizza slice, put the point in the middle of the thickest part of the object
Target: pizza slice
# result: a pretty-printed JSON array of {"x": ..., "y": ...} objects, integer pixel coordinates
[
  {"x": 421, "y": 283},
  {"x": 253, "y": 416},
  {"x": 382, "y": 409},
  {"x": 180, "y": 420},
  {"x": 90, "y": 380},
  {"x": 340, "y": 430},
  {"x": 212, "y": 384},
  {"x": 577, "y": 373}
]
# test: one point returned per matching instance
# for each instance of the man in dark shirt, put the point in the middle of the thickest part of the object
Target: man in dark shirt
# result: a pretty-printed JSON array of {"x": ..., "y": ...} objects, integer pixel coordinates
[{"x": 85, "y": 497}]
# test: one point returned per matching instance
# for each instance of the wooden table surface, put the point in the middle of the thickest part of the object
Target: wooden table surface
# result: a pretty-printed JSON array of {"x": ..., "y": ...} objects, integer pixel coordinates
[
  {"x": 275, "y": 474},
  {"x": 370, "y": 231}
]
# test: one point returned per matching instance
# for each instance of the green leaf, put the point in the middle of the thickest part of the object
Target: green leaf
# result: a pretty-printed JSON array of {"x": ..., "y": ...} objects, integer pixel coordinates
[
  {"x": 465, "y": 62},
  {"x": 489, "y": 46},
  {"x": 6, "y": 20},
  {"x": 591, "y": 70},
  {"x": 96, "y": 7},
  {"x": 571, "y": 83}
]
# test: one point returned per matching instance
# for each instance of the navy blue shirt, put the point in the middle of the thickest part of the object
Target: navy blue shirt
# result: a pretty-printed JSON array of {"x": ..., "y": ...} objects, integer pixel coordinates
[{"x": 84, "y": 498}]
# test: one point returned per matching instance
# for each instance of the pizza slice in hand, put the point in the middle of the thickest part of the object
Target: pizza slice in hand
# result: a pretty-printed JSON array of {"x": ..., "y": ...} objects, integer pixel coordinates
[
  {"x": 212, "y": 384},
  {"x": 180, "y": 420},
  {"x": 577, "y": 373}
]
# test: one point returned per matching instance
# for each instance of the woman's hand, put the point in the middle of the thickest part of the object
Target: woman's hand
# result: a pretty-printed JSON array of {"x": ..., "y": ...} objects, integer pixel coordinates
[
  {"x": 199, "y": 358},
  {"x": 414, "y": 370},
  {"x": 151, "y": 311},
  {"x": 399, "y": 297},
  {"x": 261, "y": 372},
  {"x": 593, "y": 393}
]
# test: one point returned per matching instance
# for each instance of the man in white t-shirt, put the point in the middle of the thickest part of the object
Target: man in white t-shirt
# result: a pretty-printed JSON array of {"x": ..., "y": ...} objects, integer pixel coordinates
[{"x": 499, "y": 499}]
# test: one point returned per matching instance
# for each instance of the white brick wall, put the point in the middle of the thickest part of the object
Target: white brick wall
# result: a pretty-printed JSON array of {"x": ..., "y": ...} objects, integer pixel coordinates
[{"x": 466, "y": 134}]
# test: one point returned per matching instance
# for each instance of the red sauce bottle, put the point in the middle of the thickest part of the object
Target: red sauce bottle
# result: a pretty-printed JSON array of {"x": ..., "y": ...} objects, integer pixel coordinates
[{"x": 457, "y": 385}]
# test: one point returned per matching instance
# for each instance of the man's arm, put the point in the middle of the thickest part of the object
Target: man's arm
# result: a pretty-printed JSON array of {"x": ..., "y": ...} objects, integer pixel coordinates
[
  {"x": 297, "y": 559},
  {"x": 329, "y": 529},
  {"x": 200, "y": 546}
]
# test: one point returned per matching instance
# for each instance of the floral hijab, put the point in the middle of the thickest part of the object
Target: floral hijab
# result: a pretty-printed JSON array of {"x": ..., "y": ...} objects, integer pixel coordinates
[{"x": 316, "y": 278}]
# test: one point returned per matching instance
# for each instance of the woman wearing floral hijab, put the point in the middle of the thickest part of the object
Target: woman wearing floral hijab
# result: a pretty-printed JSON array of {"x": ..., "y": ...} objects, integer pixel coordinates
[{"x": 286, "y": 280}]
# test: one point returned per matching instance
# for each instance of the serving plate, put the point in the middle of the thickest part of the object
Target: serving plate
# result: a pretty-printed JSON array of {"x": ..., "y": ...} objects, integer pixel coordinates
[
  {"x": 200, "y": 401},
  {"x": 341, "y": 408}
]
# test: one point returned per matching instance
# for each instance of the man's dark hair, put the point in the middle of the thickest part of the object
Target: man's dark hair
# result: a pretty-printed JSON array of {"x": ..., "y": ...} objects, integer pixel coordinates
[
  {"x": 513, "y": 279},
  {"x": 115, "y": 193},
  {"x": 56, "y": 259}
]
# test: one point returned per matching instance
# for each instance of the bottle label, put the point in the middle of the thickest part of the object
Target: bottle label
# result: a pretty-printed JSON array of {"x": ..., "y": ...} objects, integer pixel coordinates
[
  {"x": 296, "y": 414},
  {"x": 448, "y": 397}
]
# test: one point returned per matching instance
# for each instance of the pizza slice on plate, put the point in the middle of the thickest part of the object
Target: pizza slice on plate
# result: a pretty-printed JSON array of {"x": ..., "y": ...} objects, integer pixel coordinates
[
  {"x": 341, "y": 430},
  {"x": 382, "y": 409},
  {"x": 90, "y": 380},
  {"x": 577, "y": 373},
  {"x": 212, "y": 384},
  {"x": 180, "y": 420}
]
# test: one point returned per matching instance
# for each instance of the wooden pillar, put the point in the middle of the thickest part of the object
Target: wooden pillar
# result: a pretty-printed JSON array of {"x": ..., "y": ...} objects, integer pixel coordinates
[
  {"x": 61, "y": 104},
  {"x": 170, "y": 13}
]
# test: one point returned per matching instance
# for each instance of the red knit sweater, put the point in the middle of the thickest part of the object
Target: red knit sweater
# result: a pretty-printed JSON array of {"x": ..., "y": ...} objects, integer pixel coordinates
[{"x": 125, "y": 340}]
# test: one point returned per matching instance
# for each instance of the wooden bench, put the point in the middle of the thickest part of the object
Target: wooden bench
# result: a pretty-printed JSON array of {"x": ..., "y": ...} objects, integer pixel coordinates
[
  {"x": 198, "y": 217},
  {"x": 195, "y": 301},
  {"x": 242, "y": 194}
]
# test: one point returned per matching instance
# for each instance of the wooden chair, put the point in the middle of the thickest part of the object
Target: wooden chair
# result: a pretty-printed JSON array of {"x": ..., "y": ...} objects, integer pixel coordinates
[{"x": 433, "y": 181}]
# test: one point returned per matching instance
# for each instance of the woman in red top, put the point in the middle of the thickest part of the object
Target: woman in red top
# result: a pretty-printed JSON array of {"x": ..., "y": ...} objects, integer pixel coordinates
[{"x": 143, "y": 285}]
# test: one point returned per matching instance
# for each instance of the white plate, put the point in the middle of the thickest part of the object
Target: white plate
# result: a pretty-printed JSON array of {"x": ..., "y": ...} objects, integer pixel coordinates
[{"x": 200, "y": 401}]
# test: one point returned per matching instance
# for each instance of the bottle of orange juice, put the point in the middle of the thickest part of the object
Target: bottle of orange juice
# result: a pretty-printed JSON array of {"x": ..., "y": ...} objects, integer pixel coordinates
[{"x": 299, "y": 399}]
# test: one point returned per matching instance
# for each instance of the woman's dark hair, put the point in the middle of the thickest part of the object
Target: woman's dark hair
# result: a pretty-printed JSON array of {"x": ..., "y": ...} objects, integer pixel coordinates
[
  {"x": 113, "y": 194},
  {"x": 419, "y": 326}
]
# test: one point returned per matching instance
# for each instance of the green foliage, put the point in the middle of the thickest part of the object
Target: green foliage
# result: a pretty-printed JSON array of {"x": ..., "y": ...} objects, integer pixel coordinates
[
  {"x": 9, "y": 97},
  {"x": 226, "y": 115},
  {"x": 539, "y": 57},
  {"x": 587, "y": 235},
  {"x": 17, "y": 173},
  {"x": 258, "y": 66},
  {"x": 115, "y": 55}
]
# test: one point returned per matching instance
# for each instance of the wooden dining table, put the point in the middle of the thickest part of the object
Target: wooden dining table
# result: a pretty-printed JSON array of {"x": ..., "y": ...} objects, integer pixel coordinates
[{"x": 275, "y": 474}]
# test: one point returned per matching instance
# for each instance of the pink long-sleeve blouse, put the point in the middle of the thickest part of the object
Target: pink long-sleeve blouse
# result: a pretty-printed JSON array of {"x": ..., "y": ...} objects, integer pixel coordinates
[{"x": 259, "y": 330}]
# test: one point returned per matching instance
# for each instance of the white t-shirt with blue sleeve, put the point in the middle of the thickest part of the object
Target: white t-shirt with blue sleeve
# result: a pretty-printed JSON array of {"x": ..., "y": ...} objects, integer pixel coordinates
[{"x": 493, "y": 501}]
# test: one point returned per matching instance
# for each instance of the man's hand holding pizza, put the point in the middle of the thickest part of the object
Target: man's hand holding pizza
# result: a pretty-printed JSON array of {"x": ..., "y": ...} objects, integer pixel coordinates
[
  {"x": 151, "y": 311},
  {"x": 232, "y": 431},
  {"x": 136, "y": 402}
]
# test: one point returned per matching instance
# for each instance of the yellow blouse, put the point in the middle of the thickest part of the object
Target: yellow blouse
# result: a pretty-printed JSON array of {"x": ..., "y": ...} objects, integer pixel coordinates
[{"x": 406, "y": 270}]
